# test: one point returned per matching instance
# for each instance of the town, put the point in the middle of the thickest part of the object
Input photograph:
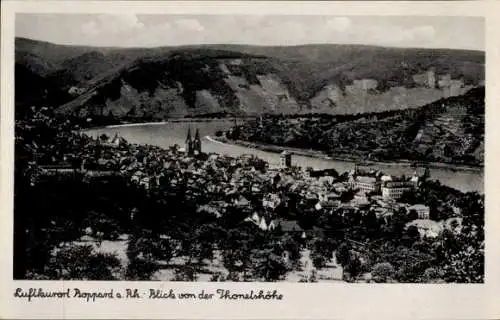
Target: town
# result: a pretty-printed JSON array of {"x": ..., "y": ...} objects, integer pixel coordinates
[{"x": 182, "y": 214}]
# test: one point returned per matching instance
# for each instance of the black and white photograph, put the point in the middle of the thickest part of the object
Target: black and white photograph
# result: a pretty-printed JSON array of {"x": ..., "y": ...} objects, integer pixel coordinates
[{"x": 249, "y": 148}]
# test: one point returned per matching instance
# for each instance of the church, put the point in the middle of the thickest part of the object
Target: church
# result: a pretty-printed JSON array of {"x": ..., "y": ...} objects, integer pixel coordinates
[{"x": 193, "y": 146}]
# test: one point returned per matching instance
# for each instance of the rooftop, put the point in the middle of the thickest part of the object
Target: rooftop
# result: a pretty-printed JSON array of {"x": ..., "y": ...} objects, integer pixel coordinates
[
  {"x": 366, "y": 179},
  {"x": 398, "y": 184},
  {"x": 289, "y": 225},
  {"x": 418, "y": 206}
]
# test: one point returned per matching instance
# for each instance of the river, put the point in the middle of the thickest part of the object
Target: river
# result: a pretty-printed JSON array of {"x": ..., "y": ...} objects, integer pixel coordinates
[{"x": 167, "y": 134}]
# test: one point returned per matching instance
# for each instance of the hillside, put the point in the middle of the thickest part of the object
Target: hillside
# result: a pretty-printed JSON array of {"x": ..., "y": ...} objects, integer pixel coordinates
[
  {"x": 155, "y": 83},
  {"x": 449, "y": 130}
]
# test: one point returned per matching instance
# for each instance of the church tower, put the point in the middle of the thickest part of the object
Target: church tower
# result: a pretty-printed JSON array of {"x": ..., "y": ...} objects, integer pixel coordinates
[
  {"x": 189, "y": 143},
  {"x": 197, "y": 143}
]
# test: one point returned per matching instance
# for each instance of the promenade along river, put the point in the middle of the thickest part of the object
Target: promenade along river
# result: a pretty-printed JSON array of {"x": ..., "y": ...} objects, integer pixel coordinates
[{"x": 167, "y": 134}]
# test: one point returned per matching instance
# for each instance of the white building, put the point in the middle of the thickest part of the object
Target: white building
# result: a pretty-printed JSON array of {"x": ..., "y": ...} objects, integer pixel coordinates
[
  {"x": 285, "y": 159},
  {"x": 271, "y": 201},
  {"x": 395, "y": 189},
  {"x": 367, "y": 184},
  {"x": 422, "y": 211}
]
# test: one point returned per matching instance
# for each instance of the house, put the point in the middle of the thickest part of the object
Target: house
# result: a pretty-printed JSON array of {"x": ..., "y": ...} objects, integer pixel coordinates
[
  {"x": 261, "y": 222},
  {"x": 114, "y": 142},
  {"x": 317, "y": 173},
  {"x": 318, "y": 206},
  {"x": 423, "y": 211},
  {"x": 136, "y": 177},
  {"x": 426, "y": 228},
  {"x": 210, "y": 209},
  {"x": 256, "y": 189},
  {"x": 385, "y": 178},
  {"x": 311, "y": 196},
  {"x": 57, "y": 167},
  {"x": 367, "y": 184},
  {"x": 241, "y": 201},
  {"x": 360, "y": 200},
  {"x": 291, "y": 227},
  {"x": 395, "y": 189},
  {"x": 145, "y": 182},
  {"x": 255, "y": 218},
  {"x": 285, "y": 159},
  {"x": 272, "y": 225},
  {"x": 330, "y": 204},
  {"x": 271, "y": 200},
  {"x": 106, "y": 163},
  {"x": 419, "y": 175},
  {"x": 331, "y": 196}
]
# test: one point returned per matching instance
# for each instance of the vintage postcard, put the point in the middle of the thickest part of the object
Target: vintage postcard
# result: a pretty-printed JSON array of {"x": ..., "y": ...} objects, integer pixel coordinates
[{"x": 249, "y": 160}]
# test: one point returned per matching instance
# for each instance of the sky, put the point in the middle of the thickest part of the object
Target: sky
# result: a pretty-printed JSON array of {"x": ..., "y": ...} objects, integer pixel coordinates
[{"x": 130, "y": 30}]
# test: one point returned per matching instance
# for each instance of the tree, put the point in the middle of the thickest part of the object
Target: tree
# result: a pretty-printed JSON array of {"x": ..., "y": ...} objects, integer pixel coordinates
[
  {"x": 103, "y": 137},
  {"x": 434, "y": 213},
  {"x": 463, "y": 253},
  {"x": 431, "y": 275},
  {"x": 342, "y": 254},
  {"x": 237, "y": 251},
  {"x": 144, "y": 251},
  {"x": 382, "y": 272},
  {"x": 319, "y": 261},
  {"x": 140, "y": 269},
  {"x": 412, "y": 215},
  {"x": 268, "y": 265},
  {"x": 292, "y": 246},
  {"x": 311, "y": 278},
  {"x": 347, "y": 196},
  {"x": 185, "y": 273},
  {"x": 324, "y": 247},
  {"x": 472, "y": 208},
  {"x": 217, "y": 277},
  {"x": 353, "y": 267},
  {"x": 82, "y": 263},
  {"x": 464, "y": 262},
  {"x": 412, "y": 235},
  {"x": 397, "y": 224},
  {"x": 371, "y": 224},
  {"x": 410, "y": 197}
]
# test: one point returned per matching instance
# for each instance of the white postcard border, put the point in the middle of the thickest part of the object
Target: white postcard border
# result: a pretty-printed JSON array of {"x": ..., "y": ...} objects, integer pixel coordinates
[{"x": 300, "y": 301}]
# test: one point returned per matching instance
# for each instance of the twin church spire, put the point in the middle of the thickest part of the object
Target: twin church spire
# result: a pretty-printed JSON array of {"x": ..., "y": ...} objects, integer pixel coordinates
[{"x": 193, "y": 146}]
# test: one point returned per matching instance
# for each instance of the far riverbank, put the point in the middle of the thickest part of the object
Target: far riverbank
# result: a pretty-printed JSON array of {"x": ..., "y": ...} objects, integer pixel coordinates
[
  {"x": 172, "y": 120},
  {"x": 320, "y": 155}
]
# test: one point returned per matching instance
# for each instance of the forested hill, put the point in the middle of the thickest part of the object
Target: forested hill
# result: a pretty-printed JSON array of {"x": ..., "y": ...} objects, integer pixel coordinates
[
  {"x": 155, "y": 83},
  {"x": 449, "y": 130}
]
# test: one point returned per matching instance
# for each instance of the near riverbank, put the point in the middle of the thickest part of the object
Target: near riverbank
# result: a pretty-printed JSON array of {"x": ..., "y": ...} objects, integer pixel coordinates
[{"x": 171, "y": 133}]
